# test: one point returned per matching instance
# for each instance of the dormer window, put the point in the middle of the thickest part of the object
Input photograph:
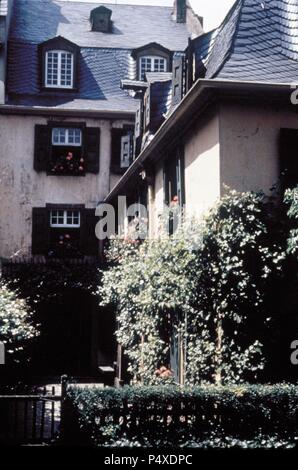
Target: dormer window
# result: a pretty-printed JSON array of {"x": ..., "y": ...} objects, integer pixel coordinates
[
  {"x": 59, "y": 59},
  {"x": 152, "y": 64},
  {"x": 152, "y": 58},
  {"x": 100, "y": 19},
  {"x": 59, "y": 69}
]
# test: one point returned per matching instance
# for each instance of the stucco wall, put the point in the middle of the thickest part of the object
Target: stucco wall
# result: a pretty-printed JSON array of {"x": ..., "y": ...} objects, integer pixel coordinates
[
  {"x": 202, "y": 166},
  {"x": 22, "y": 188},
  {"x": 249, "y": 145},
  {"x": 202, "y": 171}
]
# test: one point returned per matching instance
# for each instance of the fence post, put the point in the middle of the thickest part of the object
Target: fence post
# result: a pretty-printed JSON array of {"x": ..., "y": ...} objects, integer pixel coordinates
[{"x": 63, "y": 415}]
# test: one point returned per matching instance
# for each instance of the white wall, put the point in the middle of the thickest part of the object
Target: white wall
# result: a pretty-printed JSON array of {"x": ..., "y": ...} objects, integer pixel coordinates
[
  {"x": 22, "y": 188},
  {"x": 202, "y": 166},
  {"x": 249, "y": 145}
]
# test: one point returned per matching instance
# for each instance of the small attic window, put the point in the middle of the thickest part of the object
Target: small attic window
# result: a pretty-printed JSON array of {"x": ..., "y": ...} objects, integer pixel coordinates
[
  {"x": 100, "y": 19},
  {"x": 59, "y": 59}
]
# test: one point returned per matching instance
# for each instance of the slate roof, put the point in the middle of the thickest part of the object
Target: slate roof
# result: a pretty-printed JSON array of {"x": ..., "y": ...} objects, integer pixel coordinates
[
  {"x": 134, "y": 26},
  {"x": 105, "y": 58},
  {"x": 258, "y": 41}
]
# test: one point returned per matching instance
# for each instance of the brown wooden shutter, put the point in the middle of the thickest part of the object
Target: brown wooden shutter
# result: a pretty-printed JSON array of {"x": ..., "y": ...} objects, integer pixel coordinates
[
  {"x": 92, "y": 136},
  {"x": 40, "y": 231},
  {"x": 117, "y": 134},
  {"x": 177, "y": 83},
  {"x": 147, "y": 113},
  {"x": 89, "y": 241},
  {"x": 138, "y": 125},
  {"x": 289, "y": 157},
  {"x": 42, "y": 147}
]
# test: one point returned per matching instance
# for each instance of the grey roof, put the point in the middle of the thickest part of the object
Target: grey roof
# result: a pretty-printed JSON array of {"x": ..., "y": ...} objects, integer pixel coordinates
[
  {"x": 105, "y": 59},
  {"x": 99, "y": 75},
  {"x": 158, "y": 76},
  {"x": 36, "y": 21},
  {"x": 257, "y": 41}
]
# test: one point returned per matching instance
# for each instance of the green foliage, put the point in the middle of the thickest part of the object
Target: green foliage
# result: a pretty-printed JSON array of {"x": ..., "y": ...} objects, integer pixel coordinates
[
  {"x": 244, "y": 416},
  {"x": 202, "y": 286},
  {"x": 291, "y": 198},
  {"x": 16, "y": 325}
]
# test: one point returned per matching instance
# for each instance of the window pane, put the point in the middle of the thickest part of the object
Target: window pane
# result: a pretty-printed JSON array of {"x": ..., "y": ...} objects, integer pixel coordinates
[
  {"x": 66, "y": 69},
  {"x": 66, "y": 136},
  {"x": 59, "y": 68},
  {"x": 52, "y": 68},
  {"x": 61, "y": 218}
]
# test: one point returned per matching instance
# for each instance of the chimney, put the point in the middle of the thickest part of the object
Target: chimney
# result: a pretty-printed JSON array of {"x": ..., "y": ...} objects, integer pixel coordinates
[{"x": 180, "y": 11}]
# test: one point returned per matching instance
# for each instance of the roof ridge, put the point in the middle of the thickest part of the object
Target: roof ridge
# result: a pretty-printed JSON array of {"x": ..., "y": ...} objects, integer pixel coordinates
[{"x": 103, "y": 4}]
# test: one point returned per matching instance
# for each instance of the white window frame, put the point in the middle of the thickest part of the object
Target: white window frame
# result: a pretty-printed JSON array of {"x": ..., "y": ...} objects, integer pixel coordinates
[
  {"x": 151, "y": 58},
  {"x": 59, "y": 69},
  {"x": 66, "y": 143},
  {"x": 65, "y": 224},
  {"x": 126, "y": 148}
]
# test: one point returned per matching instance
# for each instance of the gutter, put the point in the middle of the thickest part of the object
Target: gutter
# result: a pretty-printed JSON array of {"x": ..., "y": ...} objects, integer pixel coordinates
[
  {"x": 200, "y": 96},
  {"x": 43, "y": 111}
]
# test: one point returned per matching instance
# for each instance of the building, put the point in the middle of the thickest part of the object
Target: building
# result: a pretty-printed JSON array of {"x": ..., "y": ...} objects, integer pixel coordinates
[
  {"x": 226, "y": 118},
  {"x": 66, "y": 132}
]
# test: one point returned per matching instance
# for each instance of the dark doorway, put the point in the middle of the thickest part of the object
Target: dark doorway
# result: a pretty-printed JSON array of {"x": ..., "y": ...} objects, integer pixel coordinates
[{"x": 65, "y": 344}]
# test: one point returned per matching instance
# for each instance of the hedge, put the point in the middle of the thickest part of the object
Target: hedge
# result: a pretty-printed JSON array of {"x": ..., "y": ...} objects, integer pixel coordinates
[{"x": 252, "y": 415}]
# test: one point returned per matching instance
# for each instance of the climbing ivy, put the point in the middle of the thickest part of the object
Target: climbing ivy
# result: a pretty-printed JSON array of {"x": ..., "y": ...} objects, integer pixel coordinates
[{"x": 203, "y": 287}]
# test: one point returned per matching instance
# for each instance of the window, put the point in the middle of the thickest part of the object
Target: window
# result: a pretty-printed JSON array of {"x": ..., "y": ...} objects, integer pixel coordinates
[
  {"x": 152, "y": 64},
  {"x": 64, "y": 231},
  {"x": 67, "y": 151},
  {"x": 65, "y": 136},
  {"x": 289, "y": 158},
  {"x": 126, "y": 149},
  {"x": 122, "y": 149},
  {"x": 70, "y": 151},
  {"x": 174, "y": 191},
  {"x": 59, "y": 69},
  {"x": 60, "y": 218}
]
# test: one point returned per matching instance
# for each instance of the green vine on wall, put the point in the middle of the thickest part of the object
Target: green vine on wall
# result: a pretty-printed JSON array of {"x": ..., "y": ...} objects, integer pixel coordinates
[{"x": 205, "y": 286}]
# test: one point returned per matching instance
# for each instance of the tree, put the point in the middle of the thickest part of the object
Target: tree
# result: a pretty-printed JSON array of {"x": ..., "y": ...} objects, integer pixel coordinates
[{"x": 16, "y": 325}]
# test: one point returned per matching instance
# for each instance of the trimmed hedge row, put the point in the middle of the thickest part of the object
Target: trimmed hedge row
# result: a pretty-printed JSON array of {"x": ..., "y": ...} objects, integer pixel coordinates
[{"x": 171, "y": 416}]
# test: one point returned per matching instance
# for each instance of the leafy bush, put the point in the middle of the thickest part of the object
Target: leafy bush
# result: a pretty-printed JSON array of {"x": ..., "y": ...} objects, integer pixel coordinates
[
  {"x": 243, "y": 416},
  {"x": 16, "y": 326},
  {"x": 202, "y": 288}
]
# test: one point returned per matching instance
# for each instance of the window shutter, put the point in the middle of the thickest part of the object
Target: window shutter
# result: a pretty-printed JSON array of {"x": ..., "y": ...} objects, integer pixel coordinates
[
  {"x": 89, "y": 241},
  {"x": 177, "y": 84},
  {"x": 92, "y": 137},
  {"x": 40, "y": 231},
  {"x": 138, "y": 124},
  {"x": 289, "y": 157},
  {"x": 147, "y": 109},
  {"x": 126, "y": 151},
  {"x": 117, "y": 135},
  {"x": 180, "y": 177},
  {"x": 41, "y": 148}
]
